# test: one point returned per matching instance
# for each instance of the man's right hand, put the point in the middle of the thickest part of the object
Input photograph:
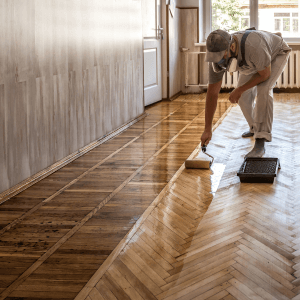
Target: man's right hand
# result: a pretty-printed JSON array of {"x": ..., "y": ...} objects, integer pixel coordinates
[{"x": 206, "y": 137}]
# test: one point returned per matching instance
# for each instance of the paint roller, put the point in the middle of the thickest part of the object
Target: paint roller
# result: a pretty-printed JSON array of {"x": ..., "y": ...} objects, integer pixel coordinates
[{"x": 202, "y": 161}]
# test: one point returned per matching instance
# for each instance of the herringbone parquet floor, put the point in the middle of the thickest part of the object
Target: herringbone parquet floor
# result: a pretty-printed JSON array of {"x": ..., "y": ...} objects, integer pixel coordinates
[{"x": 239, "y": 242}]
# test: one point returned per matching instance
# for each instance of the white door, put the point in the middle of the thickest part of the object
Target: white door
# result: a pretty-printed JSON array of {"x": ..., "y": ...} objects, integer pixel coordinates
[{"x": 153, "y": 33}]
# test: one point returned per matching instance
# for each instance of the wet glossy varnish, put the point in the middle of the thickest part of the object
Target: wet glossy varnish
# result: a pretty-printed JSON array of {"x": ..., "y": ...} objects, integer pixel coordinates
[
  {"x": 55, "y": 235},
  {"x": 215, "y": 177}
]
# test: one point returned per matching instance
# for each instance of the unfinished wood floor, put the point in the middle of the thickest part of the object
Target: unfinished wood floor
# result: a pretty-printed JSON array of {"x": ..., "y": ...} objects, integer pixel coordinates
[
  {"x": 242, "y": 242},
  {"x": 57, "y": 234}
]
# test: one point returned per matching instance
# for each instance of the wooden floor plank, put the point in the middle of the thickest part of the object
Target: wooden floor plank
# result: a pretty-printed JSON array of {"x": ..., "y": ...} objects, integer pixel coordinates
[
  {"x": 267, "y": 272},
  {"x": 244, "y": 289},
  {"x": 202, "y": 267},
  {"x": 140, "y": 274},
  {"x": 148, "y": 259},
  {"x": 104, "y": 290},
  {"x": 209, "y": 289},
  {"x": 144, "y": 266},
  {"x": 95, "y": 295},
  {"x": 267, "y": 263},
  {"x": 207, "y": 257},
  {"x": 123, "y": 283},
  {"x": 229, "y": 297},
  {"x": 252, "y": 286},
  {"x": 152, "y": 253},
  {"x": 218, "y": 296},
  {"x": 192, "y": 285},
  {"x": 133, "y": 280},
  {"x": 156, "y": 247},
  {"x": 270, "y": 282},
  {"x": 267, "y": 255},
  {"x": 159, "y": 240},
  {"x": 196, "y": 244},
  {"x": 237, "y": 294}
]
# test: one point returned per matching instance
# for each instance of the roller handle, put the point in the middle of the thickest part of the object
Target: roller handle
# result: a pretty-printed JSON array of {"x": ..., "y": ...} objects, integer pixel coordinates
[{"x": 204, "y": 151}]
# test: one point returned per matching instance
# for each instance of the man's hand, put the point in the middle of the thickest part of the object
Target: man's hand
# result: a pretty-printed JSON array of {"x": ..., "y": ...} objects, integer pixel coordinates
[
  {"x": 206, "y": 137},
  {"x": 256, "y": 79},
  {"x": 235, "y": 95}
]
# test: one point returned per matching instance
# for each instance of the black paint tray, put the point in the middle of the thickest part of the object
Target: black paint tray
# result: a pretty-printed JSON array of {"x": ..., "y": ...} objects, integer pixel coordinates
[{"x": 259, "y": 170}]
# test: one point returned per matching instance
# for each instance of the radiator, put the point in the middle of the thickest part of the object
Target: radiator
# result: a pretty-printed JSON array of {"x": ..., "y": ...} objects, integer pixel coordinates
[{"x": 290, "y": 78}]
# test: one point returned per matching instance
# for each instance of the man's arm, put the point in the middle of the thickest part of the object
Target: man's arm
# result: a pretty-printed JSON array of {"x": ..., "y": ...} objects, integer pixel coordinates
[
  {"x": 210, "y": 108},
  {"x": 256, "y": 79}
]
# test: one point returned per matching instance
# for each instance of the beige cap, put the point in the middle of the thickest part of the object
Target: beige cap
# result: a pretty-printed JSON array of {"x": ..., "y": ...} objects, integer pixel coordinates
[{"x": 217, "y": 43}]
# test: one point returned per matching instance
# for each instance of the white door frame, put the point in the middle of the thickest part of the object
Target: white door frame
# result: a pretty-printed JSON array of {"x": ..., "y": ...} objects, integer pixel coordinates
[{"x": 153, "y": 59}]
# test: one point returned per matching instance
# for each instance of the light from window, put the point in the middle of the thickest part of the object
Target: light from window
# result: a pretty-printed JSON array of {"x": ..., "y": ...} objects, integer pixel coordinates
[
  {"x": 230, "y": 15},
  {"x": 284, "y": 14}
]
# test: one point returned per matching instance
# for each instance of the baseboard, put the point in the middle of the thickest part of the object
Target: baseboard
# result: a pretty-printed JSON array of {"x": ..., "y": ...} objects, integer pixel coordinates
[
  {"x": 4, "y": 196},
  {"x": 275, "y": 90},
  {"x": 176, "y": 96},
  {"x": 287, "y": 90}
]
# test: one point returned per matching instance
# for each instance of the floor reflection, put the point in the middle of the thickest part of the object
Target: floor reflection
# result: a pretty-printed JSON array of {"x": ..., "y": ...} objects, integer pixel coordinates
[{"x": 215, "y": 178}]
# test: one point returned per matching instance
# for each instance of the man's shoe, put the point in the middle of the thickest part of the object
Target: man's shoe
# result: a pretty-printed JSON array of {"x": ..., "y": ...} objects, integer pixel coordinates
[
  {"x": 247, "y": 134},
  {"x": 258, "y": 149},
  {"x": 256, "y": 152}
]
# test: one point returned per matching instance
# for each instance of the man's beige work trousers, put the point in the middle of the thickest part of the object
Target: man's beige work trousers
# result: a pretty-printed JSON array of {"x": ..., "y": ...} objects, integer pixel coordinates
[{"x": 260, "y": 115}]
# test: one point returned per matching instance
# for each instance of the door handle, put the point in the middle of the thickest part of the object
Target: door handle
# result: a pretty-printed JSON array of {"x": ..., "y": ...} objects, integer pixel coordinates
[{"x": 160, "y": 30}]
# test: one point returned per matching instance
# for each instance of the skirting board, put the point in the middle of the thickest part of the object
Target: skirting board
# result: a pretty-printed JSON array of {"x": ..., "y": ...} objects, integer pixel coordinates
[
  {"x": 176, "y": 96},
  {"x": 56, "y": 166}
]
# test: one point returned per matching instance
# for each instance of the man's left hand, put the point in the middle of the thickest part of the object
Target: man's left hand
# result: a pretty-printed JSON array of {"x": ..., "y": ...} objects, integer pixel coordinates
[{"x": 235, "y": 96}]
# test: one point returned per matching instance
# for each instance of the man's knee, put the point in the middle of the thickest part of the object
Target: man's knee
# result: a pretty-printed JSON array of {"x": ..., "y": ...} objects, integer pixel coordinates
[
  {"x": 264, "y": 91},
  {"x": 247, "y": 98}
]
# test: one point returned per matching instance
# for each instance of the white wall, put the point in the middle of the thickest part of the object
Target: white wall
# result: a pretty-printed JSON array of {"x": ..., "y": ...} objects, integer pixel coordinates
[{"x": 71, "y": 72}]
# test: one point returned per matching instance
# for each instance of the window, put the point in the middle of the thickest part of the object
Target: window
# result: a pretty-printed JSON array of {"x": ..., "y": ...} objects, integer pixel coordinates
[
  {"x": 287, "y": 23},
  {"x": 270, "y": 15},
  {"x": 230, "y": 15},
  {"x": 285, "y": 16}
]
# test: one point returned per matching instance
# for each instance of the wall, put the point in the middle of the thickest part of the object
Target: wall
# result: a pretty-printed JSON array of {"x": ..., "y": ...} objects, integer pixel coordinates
[{"x": 71, "y": 72}]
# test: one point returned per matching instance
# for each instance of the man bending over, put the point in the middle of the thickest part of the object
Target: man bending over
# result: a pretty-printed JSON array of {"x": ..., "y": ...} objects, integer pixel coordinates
[{"x": 260, "y": 57}]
